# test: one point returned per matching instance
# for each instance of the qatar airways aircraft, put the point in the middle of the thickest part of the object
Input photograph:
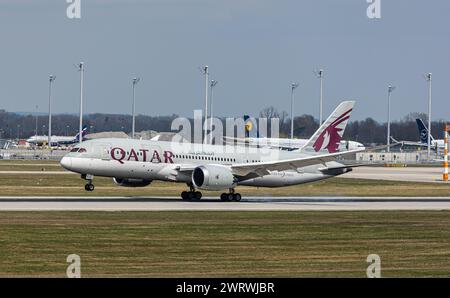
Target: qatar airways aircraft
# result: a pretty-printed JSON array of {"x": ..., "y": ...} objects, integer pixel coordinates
[{"x": 136, "y": 163}]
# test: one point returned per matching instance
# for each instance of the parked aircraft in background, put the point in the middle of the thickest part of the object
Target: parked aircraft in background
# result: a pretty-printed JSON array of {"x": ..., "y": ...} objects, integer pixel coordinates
[
  {"x": 288, "y": 144},
  {"x": 136, "y": 163},
  {"x": 282, "y": 143},
  {"x": 57, "y": 140},
  {"x": 423, "y": 138}
]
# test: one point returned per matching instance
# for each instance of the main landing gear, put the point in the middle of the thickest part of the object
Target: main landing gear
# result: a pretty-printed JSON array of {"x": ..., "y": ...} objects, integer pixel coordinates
[
  {"x": 191, "y": 195},
  {"x": 231, "y": 196},
  {"x": 89, "y": 186}
]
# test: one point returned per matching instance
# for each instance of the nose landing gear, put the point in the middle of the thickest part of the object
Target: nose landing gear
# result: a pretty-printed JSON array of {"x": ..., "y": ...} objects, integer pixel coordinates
[{"x": 89, "y": 186}]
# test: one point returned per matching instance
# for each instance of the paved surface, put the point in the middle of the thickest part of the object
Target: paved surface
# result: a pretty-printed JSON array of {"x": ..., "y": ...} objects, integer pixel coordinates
[
  {"x": 248, "y": 204},
  {"x": 414, "y": 174}
]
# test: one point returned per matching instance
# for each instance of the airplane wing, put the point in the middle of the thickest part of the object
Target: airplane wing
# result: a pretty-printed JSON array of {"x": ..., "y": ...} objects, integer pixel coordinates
[{"x": 263, "y": 168}]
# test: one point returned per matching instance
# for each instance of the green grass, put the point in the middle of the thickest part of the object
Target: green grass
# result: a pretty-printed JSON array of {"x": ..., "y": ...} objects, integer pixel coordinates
[
  {"x": 225, "y": 244},
  {"x": 72, "y": 185}
]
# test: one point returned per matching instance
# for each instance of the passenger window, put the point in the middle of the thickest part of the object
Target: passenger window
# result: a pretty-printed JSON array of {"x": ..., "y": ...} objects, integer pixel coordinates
[
  {"x": 82, "y": 150},
  {"x": 74, "y": 150}
]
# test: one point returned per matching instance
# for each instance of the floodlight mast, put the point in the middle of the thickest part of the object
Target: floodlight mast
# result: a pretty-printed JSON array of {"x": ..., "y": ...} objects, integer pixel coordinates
[
  {"x": 388, "y": 143},
  {"x": 134, "y": 82},
  {"x": 50, "y": 80},
  {"x": 293, "y": 87},
  {"x": 212, "y": 85},
  {"x": 81, "y": 69},
  {"x": 205, "y": 126},
  {"x": 36, "y": 129},
  {"x": 319, "y": 75},
  {"x": 428, "y": 78}
]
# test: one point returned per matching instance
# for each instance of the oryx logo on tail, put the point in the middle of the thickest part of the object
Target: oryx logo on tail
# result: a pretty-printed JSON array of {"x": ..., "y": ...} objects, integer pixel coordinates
[
  {"x": 331, "y": 137},
  {"x": 330, "y": 133}
]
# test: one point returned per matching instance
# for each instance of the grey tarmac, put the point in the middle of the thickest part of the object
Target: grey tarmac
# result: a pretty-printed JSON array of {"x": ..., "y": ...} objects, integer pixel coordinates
[{"x": 214, "y": 204}]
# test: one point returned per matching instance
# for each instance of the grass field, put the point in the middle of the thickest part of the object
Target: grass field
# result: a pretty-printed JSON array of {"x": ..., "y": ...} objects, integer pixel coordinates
[
  {"x": 43, "y": 184},
  {"x": 225, "y": 244}
]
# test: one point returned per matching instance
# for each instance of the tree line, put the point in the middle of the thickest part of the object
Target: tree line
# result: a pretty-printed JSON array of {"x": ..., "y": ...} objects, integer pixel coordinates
[{"x": 367, "y": 131}]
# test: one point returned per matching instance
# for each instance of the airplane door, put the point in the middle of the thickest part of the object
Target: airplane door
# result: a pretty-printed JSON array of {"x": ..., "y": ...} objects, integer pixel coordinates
[{"x": 104, "y": 151}]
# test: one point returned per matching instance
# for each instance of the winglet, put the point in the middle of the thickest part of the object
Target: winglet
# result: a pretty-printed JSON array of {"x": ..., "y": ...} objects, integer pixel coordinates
[{"x": 330, "y": 133}]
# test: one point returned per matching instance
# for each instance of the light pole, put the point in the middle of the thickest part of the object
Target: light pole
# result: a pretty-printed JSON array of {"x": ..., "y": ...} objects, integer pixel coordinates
[
  {"x": 81, "y": 69},
  {"x": 206, "y": 74},
  {"x": 36, "y": 129},
  {"x": 319, "y": 75},
  {"x": 212, "y": 85},
  {"x": 135, "y": 81},
  {"x": 428, "y": 78},
  {"x": 388, "y": 143},
  {"x": 51, "y": 79},
  {"x": 293, "y": 86}
]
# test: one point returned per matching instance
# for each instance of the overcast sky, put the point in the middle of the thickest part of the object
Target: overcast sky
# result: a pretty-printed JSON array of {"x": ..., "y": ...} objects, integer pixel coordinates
[{"x": 254, "y": 48}]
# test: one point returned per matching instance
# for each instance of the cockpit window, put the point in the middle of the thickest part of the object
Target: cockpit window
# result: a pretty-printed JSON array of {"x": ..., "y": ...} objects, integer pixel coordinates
[
  {"x": 74, "y": 150},
  {"x": 81, "y": 150}
]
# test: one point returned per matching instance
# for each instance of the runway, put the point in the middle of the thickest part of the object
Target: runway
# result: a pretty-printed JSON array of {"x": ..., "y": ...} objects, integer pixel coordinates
[
  {"x": 213, "y": 204},
  {"x": 408, "y": 174}
]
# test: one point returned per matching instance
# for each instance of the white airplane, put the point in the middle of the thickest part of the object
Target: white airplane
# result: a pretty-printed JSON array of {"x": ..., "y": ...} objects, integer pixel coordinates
[
  {"x": 289, "y": 144},
  {"x": 136, "y": 163},
  {"x": 436, "y": 144},
  {"x": 57, "y": 140}
]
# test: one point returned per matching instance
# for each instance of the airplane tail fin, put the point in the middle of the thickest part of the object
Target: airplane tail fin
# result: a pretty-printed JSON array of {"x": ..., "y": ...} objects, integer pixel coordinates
[
  {"x": 330, "y": 133},
  {"x": 83, "y": 132},
  {"x": 423, "y": 131}
]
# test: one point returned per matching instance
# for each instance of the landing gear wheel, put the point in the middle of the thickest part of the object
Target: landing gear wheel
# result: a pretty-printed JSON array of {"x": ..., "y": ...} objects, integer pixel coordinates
[
  {"x": 224, "y": 197},
  {"x": 237, "y": 197},
  {"x": 197, "y": 195},
  {"x": 191, "y": 195},
  {"x": 89, "y": 187}
]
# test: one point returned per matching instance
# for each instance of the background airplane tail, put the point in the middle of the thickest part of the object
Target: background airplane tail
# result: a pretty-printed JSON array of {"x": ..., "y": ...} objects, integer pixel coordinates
[
  {"x": 423, "y": 131},
  {"x": 83, "y": 132},
  {"x": 330, "y": 133}
]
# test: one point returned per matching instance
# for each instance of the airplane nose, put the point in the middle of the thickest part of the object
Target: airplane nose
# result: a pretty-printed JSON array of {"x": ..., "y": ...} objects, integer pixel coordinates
[{"x": 66, "y": 162}]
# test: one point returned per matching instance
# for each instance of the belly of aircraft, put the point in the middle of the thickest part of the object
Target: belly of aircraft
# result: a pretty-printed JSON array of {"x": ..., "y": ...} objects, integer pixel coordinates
[{"x": 287, "y": 178}]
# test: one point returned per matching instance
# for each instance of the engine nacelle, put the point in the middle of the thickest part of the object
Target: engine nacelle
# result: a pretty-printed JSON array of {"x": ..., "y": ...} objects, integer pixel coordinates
[
  {"x": 130, "y": 182},
  {"x": 212, "y": 177}
]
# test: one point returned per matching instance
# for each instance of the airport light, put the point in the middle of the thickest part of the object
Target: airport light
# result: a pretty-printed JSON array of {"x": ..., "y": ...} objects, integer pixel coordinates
[
  {"x": 51, "y": 79},
  {"x": 428, "y": 78},
  {"x": 134, "y": 82},
  {"x": 81, "y": 69},
  {"x": 319, "y": 75},
  {"x": 388, "y": 143},
  {"x": 212, "y": 85},
  {"x": 293, "y": 87},
  {"x": 206, "y": 74},
  {"x": 36, "y": 128}
]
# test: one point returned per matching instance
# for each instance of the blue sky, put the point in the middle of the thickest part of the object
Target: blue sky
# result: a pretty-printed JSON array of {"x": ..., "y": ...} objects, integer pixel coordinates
[{"x": 254, "y": 48}]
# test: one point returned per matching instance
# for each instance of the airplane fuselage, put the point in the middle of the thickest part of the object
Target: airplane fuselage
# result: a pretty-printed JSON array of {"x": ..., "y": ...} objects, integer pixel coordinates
[{"x": 165, "y": 161}]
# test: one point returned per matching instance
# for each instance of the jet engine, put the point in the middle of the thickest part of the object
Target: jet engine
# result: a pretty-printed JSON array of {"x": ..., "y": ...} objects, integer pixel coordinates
[
  {"x": 129, "y": 182},
  {"x": 213, "y": 177}
]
